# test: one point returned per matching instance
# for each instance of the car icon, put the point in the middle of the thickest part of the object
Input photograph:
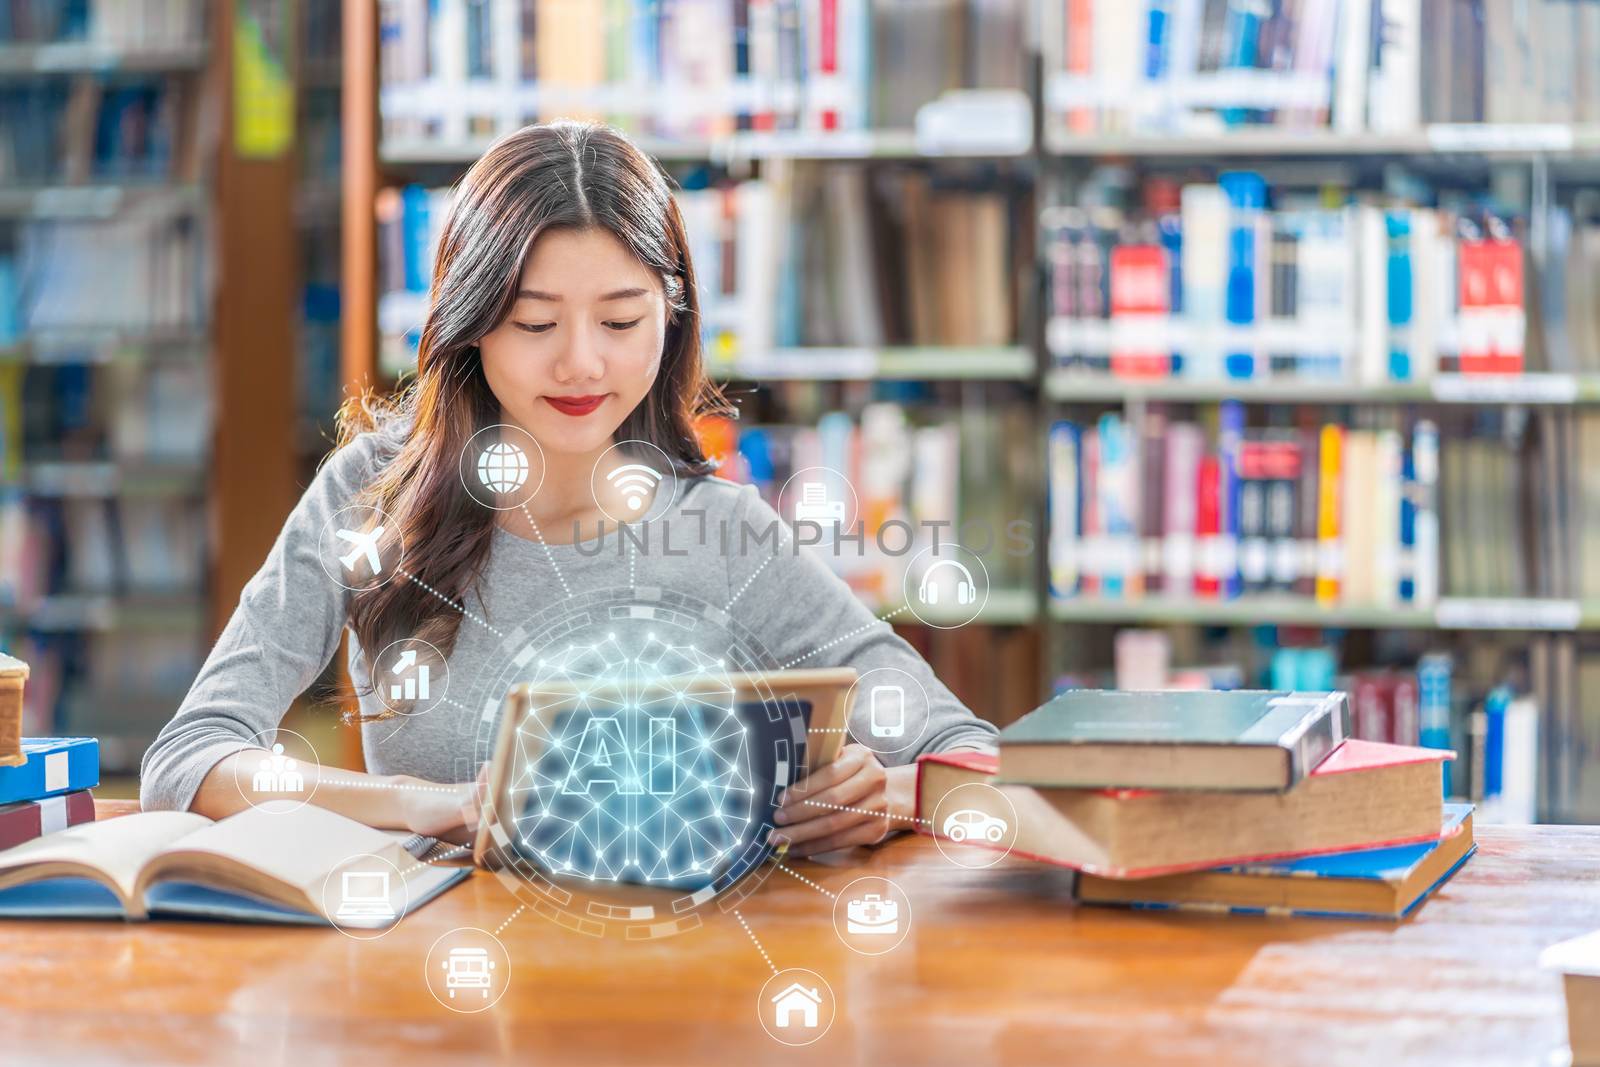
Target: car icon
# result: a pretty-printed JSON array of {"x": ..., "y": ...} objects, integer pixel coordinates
[{"x": 970, "y": 822}]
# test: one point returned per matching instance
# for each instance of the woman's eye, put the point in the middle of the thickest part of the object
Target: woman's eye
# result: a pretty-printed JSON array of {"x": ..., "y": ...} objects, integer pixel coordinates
[
  {"x": 535, "y": 327},
  {"x": 625, "y": 325}
]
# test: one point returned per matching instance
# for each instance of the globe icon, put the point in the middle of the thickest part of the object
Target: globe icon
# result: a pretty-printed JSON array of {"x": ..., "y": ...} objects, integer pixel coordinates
[{"x": 503, "y": 468}]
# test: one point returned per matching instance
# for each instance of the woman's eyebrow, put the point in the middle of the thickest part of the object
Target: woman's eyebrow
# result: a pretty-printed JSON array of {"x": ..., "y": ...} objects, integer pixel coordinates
[{"x": 555, "y": 298}]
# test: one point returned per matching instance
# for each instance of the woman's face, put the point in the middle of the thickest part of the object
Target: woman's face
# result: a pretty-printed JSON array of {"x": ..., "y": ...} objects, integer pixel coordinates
[{"x": 582, "y": 345}]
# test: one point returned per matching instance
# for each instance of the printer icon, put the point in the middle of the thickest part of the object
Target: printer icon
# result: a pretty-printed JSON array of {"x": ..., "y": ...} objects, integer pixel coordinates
[{"x": 871, "y": 914}]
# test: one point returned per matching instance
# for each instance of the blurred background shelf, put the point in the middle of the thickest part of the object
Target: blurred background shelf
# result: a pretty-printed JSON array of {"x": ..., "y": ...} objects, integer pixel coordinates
[
  {"x": 1531, "y": 388},
  {"x": 903, "y": 363},
  {"x": 1497, "y": 614},
  {"x": 84, "y": 57}
]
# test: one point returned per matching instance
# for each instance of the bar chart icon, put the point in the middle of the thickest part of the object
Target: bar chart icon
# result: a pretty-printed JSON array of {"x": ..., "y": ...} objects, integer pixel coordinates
[
  {"x": 414, "y": 687},
  {"x": 413, "y": 678}
]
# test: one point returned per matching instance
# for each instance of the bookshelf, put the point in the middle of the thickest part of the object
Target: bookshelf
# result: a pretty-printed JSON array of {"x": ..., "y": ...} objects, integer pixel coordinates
[
  {"x": 1096, "y": 134},
  {"x": 130, "y": 522}
]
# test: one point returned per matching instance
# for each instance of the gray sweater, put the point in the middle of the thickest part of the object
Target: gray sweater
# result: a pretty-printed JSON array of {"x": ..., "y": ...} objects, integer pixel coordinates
[{"x": 784, "y": 608}]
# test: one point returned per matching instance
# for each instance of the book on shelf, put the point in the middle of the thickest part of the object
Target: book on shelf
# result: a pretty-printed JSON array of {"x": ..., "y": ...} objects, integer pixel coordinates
[
  {"x": 1382, "y": 883},
  {"x": 1245, "y": 740},
  {"x": 1203, "y": 68},
  {"x": 271, "y": 863},
  {"x": 1290, "y": 284},
  {"x": 691, "y": 70},
  {"x": 1363, "y": 795},
  {"x": 132, "y": 25}
]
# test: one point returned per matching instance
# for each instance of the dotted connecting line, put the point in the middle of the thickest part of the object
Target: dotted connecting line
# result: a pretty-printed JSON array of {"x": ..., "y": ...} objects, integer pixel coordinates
[
  {"x": 807, "y": 881},
  {"x": 448, "y": 854},
  {"x": 866, "y": 811},
  {"x": 755, "y": 942},
  {"x": 356, "y": 784},
  {"x": 459, "y": 607},
  {"x": 633, "y": 563},
  {"x": 844, "y": 637},
  {"x": 520, "y": 909},
  {"x": 828, "y": 730},
  {"x": 753, "y": 575},
  {"x": 551, "y": 556}
]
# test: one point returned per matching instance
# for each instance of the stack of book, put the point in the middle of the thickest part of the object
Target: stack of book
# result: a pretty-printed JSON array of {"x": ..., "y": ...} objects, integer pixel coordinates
[
  {"x": 1578, "y": 960},
  {"x": 47, "y": 787},
  {"x": 1252, "y": 801}
]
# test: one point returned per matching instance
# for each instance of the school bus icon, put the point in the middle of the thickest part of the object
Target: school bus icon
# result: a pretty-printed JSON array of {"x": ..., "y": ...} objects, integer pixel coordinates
[{"x": 468, "y": 968}]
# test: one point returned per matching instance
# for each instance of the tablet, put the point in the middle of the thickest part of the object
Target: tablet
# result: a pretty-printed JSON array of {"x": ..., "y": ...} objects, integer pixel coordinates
[{"x": 668, "y": 781}]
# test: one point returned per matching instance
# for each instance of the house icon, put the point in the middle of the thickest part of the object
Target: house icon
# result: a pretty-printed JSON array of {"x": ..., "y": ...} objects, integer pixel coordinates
[{"x": 796, "y": 998}]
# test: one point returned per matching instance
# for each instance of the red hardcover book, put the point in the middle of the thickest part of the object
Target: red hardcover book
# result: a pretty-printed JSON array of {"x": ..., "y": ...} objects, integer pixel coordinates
[
  {"x": 1492, "y": 319},
  {"x": 1369, "y": 707},
  {"x": 1406, "y": 723},
  {"x": 28, "y": 819},
  {"x": 1208, "y": 529},
  {"x": 1140, "y": 291},
  {"x": 1365, "y": 794}
]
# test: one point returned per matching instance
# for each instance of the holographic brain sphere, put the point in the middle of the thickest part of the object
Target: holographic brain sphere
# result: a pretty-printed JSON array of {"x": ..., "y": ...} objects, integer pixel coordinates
[{"x": 636, "y": 768}]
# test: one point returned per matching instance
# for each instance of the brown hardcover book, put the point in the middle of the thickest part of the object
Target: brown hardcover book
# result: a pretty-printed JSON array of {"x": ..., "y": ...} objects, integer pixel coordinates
[{"x": 1365, "y": 795}]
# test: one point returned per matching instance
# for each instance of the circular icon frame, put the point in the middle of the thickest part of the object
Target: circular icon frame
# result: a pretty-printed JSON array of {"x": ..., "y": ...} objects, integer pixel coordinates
[
  {"x": 341, "y": 543},
  {"x": 470, "y": 467},
  {"x": 784, "y": 982},
  {"x": 968, "y": 578},
  {"x": 878, "y": 718},
  {"x": 850, "y": 917},
  {"x": 962, "y": 856},
  {"x": 422, "y": 683},
  {"x": 789, "y": 508},
  {"x": 366, "y": 902},
  {"x": 636, "y": 477},
  {"x": 278, "y": 767},
  {"x": 467, "y": 967}
]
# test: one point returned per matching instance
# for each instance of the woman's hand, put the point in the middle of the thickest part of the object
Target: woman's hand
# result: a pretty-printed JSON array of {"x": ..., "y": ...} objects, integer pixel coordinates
[
  {"x": 448, "y": 812},
  {"x": 809, "y": 816}
]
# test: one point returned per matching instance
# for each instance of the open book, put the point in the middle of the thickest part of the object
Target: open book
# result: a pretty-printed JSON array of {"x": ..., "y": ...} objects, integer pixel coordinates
[{"x": 275, "y": 862}]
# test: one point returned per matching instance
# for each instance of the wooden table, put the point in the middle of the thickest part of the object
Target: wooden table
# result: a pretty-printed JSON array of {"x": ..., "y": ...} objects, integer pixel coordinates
[{"x": 999, "y": 967}]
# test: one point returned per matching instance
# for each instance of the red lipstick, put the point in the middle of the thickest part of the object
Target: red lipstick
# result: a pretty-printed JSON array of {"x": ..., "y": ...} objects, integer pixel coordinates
[{"x": 576, "y": 405}]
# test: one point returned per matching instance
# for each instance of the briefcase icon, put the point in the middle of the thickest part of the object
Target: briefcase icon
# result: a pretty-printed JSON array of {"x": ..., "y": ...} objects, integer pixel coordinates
[{"x": 872, "y": 914}]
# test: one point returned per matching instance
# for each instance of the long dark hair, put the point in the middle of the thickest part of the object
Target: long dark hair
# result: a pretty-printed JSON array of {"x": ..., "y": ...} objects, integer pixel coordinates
[{"x": 549, "y": 176}]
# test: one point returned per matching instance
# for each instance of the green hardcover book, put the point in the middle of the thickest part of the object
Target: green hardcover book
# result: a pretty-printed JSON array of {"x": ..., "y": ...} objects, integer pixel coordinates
[{"x": 1241, "y": 740}]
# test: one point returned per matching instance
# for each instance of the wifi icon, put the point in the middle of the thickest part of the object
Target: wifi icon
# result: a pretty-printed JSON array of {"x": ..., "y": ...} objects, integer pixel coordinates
[{"x": 635, "y": 480}]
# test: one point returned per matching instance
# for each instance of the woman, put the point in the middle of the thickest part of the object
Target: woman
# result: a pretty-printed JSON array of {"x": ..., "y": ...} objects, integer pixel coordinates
[{"x": 563, "y": 305}]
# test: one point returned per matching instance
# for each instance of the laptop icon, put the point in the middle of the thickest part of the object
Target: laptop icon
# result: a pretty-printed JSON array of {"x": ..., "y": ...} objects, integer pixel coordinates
[{"x": 365, "y": 895}]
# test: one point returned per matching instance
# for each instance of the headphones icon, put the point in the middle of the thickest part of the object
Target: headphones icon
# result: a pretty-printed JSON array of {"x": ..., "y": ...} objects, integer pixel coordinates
[{"x": 966, "y": 589}]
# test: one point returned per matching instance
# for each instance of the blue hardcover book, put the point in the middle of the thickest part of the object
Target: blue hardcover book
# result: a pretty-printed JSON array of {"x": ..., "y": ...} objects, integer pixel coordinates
[
  {"x": 1408, "y": 524},
  {"x": 1397, "y": 226},
  {"x": 51, "y": 765},
  {"x": 1156, "y": 29},
  {"x": 1242, "y": 27},
  {"x": 1230, "y": 441},
  {"x": 1247, "y": 200},
  {"x": 1433, "y": 705},
  {"x": 1379, "y": 883},
  {"x": 414, "y": 236}
]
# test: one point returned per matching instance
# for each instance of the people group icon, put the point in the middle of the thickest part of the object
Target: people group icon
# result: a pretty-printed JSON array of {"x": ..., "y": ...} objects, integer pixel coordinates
[{"x": 278, "y": 774}]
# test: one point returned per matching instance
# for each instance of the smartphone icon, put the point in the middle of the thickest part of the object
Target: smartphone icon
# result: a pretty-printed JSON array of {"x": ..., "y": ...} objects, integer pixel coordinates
[{"x": 888, "y": 710}]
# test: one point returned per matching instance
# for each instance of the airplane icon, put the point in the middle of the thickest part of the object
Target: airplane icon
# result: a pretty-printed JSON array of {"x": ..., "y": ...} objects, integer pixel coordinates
[{"x": 366, "y": 544}]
